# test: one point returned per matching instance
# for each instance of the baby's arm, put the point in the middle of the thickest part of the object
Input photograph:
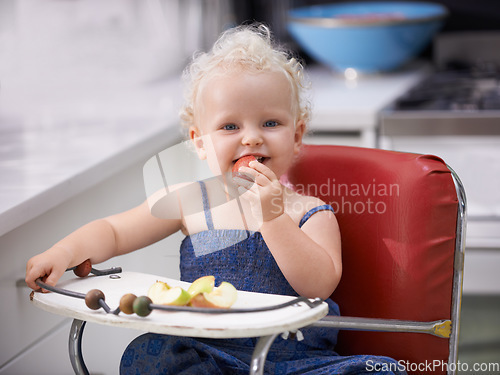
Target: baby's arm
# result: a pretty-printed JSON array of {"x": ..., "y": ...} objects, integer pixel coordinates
[
  {"x": 309, "y": 257},
  {"x": 98, "y": 241}
]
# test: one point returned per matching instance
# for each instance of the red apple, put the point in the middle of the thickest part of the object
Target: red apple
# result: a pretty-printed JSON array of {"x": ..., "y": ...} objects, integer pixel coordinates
[{"x": 243, "y": 162}]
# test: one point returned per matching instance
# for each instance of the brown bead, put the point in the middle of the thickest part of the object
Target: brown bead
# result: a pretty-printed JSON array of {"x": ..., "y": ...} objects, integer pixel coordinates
[
  {"x": 83, "y": 269},
  {"x": 92, "y": 299},
  {"x": 127, "y": 303}
]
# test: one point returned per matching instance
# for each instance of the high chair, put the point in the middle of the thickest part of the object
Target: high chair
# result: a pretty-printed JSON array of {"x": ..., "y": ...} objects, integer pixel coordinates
[{"x": 402, "y": 223}]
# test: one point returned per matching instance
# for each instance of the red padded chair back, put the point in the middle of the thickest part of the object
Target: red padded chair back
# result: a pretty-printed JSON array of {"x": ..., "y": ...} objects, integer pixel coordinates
[{"x": 397, "y": 214}]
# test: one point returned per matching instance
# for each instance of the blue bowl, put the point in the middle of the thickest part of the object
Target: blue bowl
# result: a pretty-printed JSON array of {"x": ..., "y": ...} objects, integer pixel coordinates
[{"x": 367, "y": 36}]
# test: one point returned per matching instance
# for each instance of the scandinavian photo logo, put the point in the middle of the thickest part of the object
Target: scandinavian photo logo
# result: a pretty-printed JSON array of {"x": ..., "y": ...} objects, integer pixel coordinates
[{"x": 349, "y": 198}]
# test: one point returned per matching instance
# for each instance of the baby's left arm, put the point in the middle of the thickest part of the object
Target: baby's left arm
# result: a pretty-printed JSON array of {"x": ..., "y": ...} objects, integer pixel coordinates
[{"x": 310, "y": 256}]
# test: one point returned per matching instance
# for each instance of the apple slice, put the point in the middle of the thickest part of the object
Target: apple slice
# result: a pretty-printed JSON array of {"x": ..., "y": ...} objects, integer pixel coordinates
[
  {"x": 222, "y": 297},
  {"x": 175, "y": 296},
  {"x": 204, "y": 284},
  {"x": 157, "y": 289}
]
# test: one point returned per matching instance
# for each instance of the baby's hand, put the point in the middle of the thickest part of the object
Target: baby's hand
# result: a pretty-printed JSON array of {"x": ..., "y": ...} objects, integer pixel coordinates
[
  {"x": 48, "y": 266},
  {"x": 265, "y": 192}
]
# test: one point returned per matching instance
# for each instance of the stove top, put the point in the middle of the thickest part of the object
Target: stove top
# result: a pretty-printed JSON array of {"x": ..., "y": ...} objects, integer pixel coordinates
[{"x": 459, "y": 86}]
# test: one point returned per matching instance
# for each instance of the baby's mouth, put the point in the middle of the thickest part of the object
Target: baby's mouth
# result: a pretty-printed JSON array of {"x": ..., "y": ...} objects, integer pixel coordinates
[{"x": 260, "y": 159}]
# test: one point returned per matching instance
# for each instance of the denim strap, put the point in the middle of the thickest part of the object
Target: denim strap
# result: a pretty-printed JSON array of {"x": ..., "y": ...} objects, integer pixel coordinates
[
  {"x": 206, "y": 206},
  {"x": 324, "y": 207}
]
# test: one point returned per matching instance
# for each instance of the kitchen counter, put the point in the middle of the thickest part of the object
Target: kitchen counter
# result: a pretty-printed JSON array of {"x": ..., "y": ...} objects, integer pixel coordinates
[
  {"x": 353, "y": 105},
  {"x": 53, "y": 147},
  {"x": 69, "y": 155}
]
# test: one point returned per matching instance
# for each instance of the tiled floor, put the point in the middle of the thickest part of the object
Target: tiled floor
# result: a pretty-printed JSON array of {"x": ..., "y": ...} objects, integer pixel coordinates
[{"x": 479, "y": 341}]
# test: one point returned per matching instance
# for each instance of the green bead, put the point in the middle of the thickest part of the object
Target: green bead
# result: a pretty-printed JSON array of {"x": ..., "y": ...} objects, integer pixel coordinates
[
  {"x": 92, "y": 299},
  {"x": 142, "y": 306}
]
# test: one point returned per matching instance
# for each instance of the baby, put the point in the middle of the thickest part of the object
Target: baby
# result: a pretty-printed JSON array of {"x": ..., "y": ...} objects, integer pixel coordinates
[{"x": 245, "y": 98}]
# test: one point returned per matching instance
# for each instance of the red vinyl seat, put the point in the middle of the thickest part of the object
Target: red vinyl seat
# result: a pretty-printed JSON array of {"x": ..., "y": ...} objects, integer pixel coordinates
[{"x": 401, "y": 218}]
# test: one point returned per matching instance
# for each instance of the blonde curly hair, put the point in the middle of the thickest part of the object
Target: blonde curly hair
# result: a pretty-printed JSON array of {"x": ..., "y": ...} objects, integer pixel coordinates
[{"x": 251, "y": 49}]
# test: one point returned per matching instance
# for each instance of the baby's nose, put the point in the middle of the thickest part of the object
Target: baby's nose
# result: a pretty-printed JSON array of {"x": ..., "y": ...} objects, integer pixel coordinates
[{"x": 252, "y": 137}]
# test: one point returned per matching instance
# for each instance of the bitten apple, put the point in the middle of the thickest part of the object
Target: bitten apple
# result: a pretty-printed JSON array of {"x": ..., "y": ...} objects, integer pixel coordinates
[
  {"x": 243, "y": 162},
  {"x": 223, "y": 297},
  {"x": 204, "y": 284}
]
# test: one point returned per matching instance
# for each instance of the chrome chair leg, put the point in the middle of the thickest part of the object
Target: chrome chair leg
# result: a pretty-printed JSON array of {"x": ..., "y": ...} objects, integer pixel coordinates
[
  {"x": 76, "y": 357},
  {"x": 260, "y": 354},
  {"x": 75, "y": 347}
]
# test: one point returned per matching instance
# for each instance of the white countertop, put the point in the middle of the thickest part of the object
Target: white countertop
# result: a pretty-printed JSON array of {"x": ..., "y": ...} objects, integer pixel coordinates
[
  {"x": 53, "y": 147},
  {"x": 353, "y": 105}
]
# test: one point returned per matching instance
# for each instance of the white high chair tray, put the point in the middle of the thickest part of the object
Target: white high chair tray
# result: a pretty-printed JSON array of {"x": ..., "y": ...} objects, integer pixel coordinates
[{"x": 192, "y": 324}]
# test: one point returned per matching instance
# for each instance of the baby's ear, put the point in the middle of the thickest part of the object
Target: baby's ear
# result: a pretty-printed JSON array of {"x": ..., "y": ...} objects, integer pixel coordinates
[
  {"x": 197, "y": 139},
  {"x": 300, "y": 129}
]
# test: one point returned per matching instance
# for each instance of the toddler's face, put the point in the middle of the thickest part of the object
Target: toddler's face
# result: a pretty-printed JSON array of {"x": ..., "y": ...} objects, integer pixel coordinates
[{"x": 244, "y": 113}]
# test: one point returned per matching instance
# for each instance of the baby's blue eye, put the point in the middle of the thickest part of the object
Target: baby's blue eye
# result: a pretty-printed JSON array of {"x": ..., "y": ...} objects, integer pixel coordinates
[
  {"x": 230, "y": 127},
  {"x": 270, "y": 124}
]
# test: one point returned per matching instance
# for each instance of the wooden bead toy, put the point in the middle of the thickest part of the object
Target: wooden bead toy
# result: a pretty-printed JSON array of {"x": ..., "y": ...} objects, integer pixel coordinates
[
  {"x": 83, "y": 269},
  {"x": 142, "y": 306},
  {"x": 92, "y": 299},
  {"x": 127, "y": 303}
]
